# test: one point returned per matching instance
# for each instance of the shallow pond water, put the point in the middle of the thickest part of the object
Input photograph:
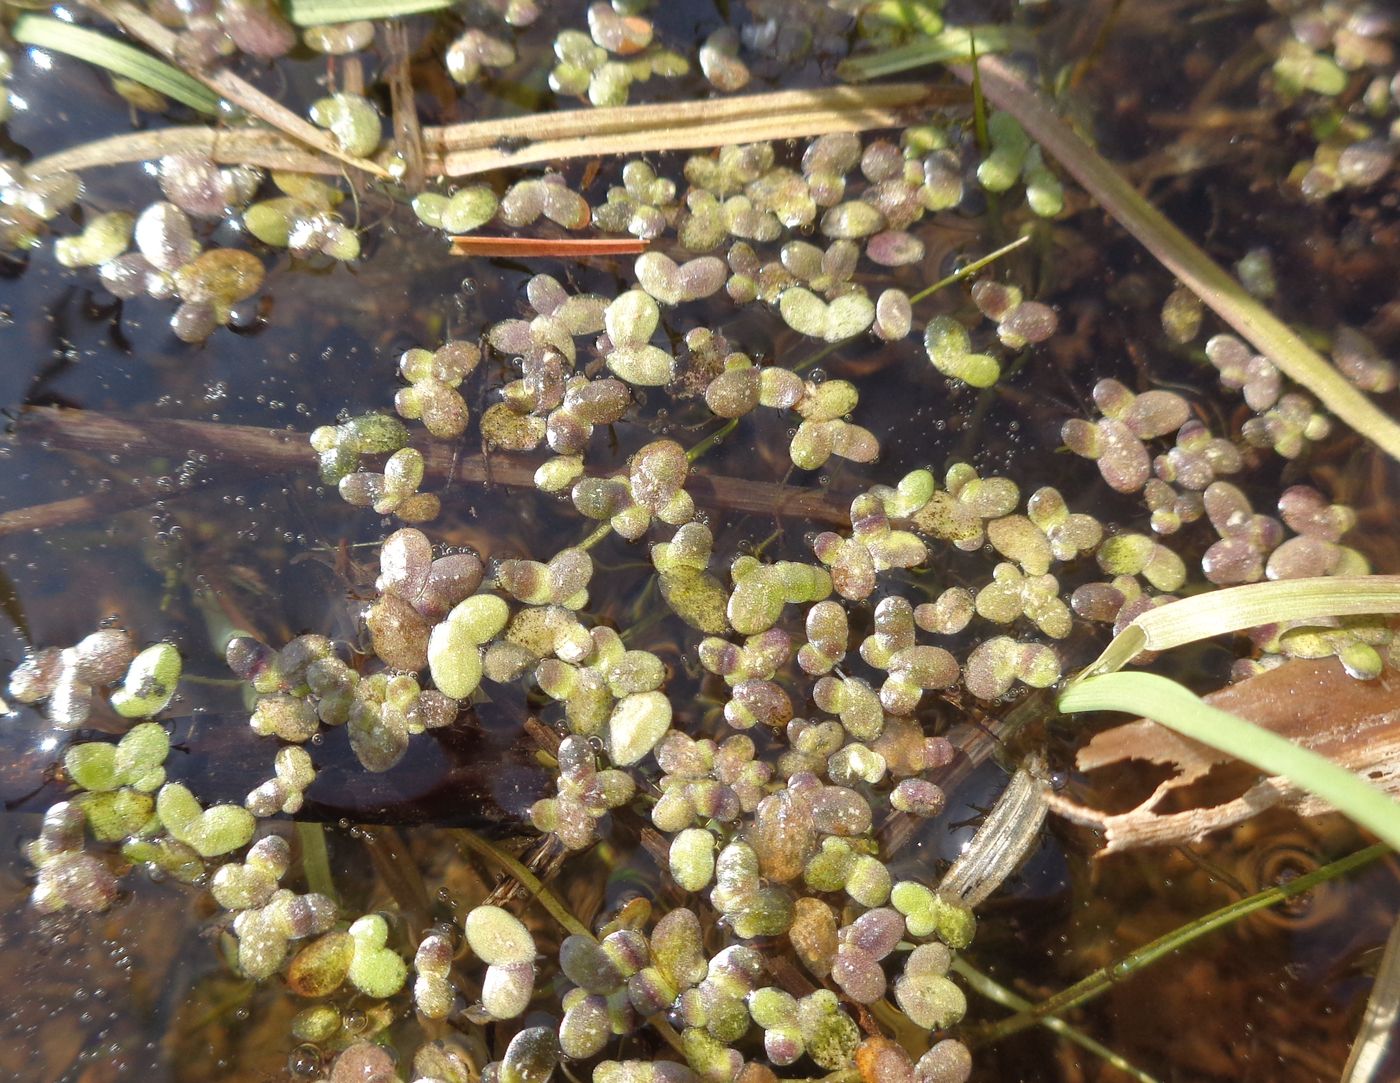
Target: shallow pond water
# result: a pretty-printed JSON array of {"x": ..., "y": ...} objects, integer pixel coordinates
[{"x": 192, "y": 536}]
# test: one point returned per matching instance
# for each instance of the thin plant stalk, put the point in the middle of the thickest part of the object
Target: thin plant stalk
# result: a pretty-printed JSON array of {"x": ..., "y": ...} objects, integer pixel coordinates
[
  {"x": 1180, "y": 255},
  {"x": 1106, "y": 977},
  {"x": 970, "y": 270},
  {"x": 598, "y": 534},
  {"x": 546, "y": 898},
  {"x": 993, "y": 990},
  {"x": 710, "y": 441},
  {"x": 315, "y": 859}
]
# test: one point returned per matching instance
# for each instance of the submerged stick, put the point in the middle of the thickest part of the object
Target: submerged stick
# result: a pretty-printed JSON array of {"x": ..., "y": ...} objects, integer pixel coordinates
[
  {"x": 79, "y": 509},
  {"x": 283, "y": 450}
]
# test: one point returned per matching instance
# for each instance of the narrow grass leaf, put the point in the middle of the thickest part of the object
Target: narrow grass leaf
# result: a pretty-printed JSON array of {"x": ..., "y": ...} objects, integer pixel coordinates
[
  {"x": 993, "y": 990},
  {"x": 1233, "y": 609},
  {"x": 1168, "y": 703},
  {"x": 319, "y": 12},
  {"x": 1179, "y": 254},
  {"x": 955, "y": 43},
  {"x": 116, "y": 57},
  {"x": 1115, "y": 973}
]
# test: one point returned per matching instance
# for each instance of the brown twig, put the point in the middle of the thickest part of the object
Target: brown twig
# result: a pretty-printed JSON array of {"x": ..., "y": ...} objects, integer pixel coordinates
[
  {"x": 78, "y": 509},
  {"x": 235, "y": 146},
  {"x": 464, "y": 149},
  {"x": 482, "y": 146},
  {"x": 280, "y": 450}
]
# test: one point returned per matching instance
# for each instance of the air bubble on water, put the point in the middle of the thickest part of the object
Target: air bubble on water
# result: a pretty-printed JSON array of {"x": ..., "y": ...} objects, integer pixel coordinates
[{"x": 304, "y": 1060}]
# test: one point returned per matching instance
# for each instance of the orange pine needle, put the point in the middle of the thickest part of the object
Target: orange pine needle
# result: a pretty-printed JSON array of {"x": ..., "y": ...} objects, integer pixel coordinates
[{"x": 568, "y": 247}]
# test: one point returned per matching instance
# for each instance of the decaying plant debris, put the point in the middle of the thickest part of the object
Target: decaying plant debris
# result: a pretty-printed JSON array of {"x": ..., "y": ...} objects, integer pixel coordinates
[{"x": 1312, "y": 702}]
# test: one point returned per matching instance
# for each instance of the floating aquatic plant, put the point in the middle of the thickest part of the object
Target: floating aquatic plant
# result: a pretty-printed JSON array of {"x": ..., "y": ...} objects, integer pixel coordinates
[{"x": 766, "y": 797}]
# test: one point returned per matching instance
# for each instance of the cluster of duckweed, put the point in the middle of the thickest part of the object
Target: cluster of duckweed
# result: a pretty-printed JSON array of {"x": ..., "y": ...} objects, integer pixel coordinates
[
  {"x": 616, "y": 51},
  {"x": 769, "y": 811},
  {"x": 304, "y": 219},
  {"x": 29, "y": 202},
  {"x": 432, "y": 396},
  {"x": 1020, "y": 323},
  {"x": 1337, "y": 62},
  {"x": 1014, "y": 158},
  {"x": 476, "y": 50},
  {"x": 64, "y": 676},
  {"x": 393, "y": 489},
  {"x": 1358, "y": 359},
  {"x": 210, "y": 32},
  {"x": 159, "y": 252}
]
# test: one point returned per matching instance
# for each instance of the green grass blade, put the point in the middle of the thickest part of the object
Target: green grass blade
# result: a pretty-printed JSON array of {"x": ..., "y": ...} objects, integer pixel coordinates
[
  {"x": 117, "y": 57},
  {"x": 1168, "y": 703},
  {"x": 1233, "y": 609},
  {"x": 971, "y": 269},
  {"x": 994, "y": 991},
  {"x": 315, "y": 859},
  {"x": 1108, "y": 977},
  {"x": 951, "y": 44},
  {"x": 319, "y": 12}
]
